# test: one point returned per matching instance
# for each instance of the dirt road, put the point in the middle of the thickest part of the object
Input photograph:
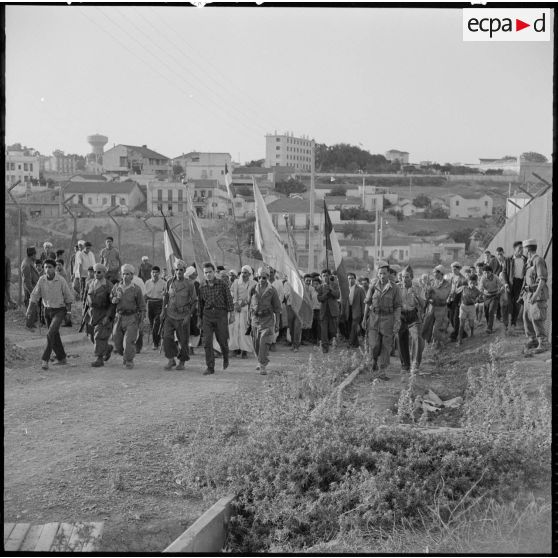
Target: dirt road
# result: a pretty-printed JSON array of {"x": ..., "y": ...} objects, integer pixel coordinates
[{"x": 95, "y": 444}]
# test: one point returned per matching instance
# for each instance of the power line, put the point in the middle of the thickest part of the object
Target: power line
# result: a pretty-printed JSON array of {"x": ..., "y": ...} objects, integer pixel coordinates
[{"x": 163, "y": 63}]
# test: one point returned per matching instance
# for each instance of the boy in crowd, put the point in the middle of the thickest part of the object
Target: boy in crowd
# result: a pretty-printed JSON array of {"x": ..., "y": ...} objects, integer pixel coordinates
[{"x": 470, "y": 294}]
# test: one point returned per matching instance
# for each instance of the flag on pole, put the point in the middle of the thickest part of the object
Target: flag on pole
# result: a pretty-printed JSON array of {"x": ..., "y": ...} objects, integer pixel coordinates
[
  {"x": 199, "y": 245},
  {"x": 172, "y": 251},
  {"x": 332, "y": 244},
  {"x": 228, "y": 181},
  {"x": 273, "y": 252}
]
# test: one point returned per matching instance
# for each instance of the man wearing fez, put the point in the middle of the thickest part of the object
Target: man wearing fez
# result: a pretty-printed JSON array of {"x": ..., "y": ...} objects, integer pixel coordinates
[
  {"x": 215, "y": 304},
  {"x": 179, "y": 301},
  {"x": 57, "y": 300},
  {"x": 265, "y": 311},
  {"x": 100, "y": 314},
  {"x": 130, "y": 312}
]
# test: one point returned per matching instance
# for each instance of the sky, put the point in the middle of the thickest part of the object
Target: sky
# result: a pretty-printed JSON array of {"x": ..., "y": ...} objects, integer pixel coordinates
[{"x": 181, "y": 79}]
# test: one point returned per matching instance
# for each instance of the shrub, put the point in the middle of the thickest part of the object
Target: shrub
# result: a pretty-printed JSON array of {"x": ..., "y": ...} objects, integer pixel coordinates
[{"x": 306, "y": 472}]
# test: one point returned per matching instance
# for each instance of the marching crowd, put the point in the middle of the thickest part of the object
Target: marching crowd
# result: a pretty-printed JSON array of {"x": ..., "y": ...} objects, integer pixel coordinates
[{"x": 250, "y": 312}]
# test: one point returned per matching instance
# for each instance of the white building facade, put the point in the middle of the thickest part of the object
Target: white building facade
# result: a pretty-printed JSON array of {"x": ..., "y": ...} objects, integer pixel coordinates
[
  {"x": 288, "y": 150},
  {"x": 205, "y": 166},
  {"x": 22, "y": 166}
]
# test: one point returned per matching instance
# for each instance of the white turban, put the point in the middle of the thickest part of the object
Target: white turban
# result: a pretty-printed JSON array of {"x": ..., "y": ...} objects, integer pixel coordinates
[
  {"x": 190, "y": 271},
  {"x": 247, "y": 268},
  {"x": 128, "y": 268}
]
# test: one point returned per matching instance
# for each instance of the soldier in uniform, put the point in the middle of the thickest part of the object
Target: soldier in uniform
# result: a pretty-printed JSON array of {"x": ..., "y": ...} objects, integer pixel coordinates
[
  {"x": 535, "y": 298},
  {"x": 384, "y": 301},
  {"x": 179, "y": 301},
  {"x": 437, "y": 295},
  {"x": 328, "y": 295},
  {"x": 130, "y": 312},
  {"x": 265, "y": 310},
  {"x": 100, "y": 314}
]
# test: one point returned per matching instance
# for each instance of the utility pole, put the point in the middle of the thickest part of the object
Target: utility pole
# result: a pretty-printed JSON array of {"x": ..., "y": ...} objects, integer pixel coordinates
[
  {"x": 311, "y": 264},
  {"x": 118, "y": 227},
  {"x": 74, "y": 232},
  {"x": 20, "y": 247},
  {"x": 381, "y": 234},
  {"x": 376, "y": 239}
]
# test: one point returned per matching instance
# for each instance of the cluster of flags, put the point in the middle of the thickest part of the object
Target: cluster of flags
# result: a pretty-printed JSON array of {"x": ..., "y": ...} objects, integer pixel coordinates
[{"x": 271, "y": 247}]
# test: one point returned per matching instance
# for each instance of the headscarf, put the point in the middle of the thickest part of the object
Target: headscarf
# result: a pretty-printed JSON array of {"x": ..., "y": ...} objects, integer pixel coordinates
[{"x": 128, "y": 268}]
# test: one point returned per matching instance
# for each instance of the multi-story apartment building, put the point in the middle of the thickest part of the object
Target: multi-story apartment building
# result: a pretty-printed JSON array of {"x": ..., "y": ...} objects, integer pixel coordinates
[
  {"x": 204, "y": 166},
  {"x": 133, "y": 159},
  {"x": 288, "y": 150},
  {"x": 60, "y": 163},
  {"x": 22, "y": 165}
]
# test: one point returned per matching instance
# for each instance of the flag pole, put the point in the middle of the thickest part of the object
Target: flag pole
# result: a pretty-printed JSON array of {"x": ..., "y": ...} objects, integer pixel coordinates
[
  {"x": 311, "y": 264},
  {"x": 228, "y": 183}
]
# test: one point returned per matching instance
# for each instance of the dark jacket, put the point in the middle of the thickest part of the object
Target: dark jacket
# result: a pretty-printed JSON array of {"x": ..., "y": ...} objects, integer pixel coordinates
[
  {"x": 29, "y": 274},
  {"x": 509, "y": 269},
  {"x": 328, "y": 295},
  {"x": 357, "y": 307}
]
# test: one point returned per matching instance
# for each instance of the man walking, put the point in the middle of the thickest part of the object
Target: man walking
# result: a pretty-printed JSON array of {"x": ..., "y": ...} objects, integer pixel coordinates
[
  {"x": 57, "y": 302},
  {"x": 328, "y": 295},
  {"x": 240, "y": 291},
  {"x": 355, "y": 311},
  {"x": 179, "y": 301},
  {"x": 437, "y": 295},
  {"x": 100, "y": 314},
  {"x": 154, "y": 294},
  {"x": 30, "y": 277},
  {"x": 454, "y": 299},
  {"x": 265, "y": 310},
  {"x": 535, "y": 299},
  {"x": 514, "y": 273},
  {"x": 411, "y": 343},
  {"x": 84, "y": 260},
  {"x": 490, "y": 286},
  {"x": 130, "y": 312},
  {"x": 215, "y": 303},
  {"x": 110, "y": 258},
  {"x": 384, "y": 299}
]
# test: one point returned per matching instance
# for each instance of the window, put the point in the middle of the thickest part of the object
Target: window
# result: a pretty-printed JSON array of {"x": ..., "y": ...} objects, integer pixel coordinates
[
  {"x": 80, "y": 198},
  {"x": 485, "y": 204},
  {"x": 204, "y": 173},
  {"x": 19, "y": 167},
  {"x": 122, "y": 201},
  {"x": 456, "y": 202},
  {"x": 180, "y": 208},
  {"x": 90, "y": 201},
  {"x": 209, "y": 193},
  {"x": 169, "y": 207},
  {"x": 105, "y": 201},
  {"x": 180, "y": 194},
  {"x": 277, "y": 156},
  {"x": 123, "y": 162},
  {"x": 159, "y": 195},
  {"x": 400, "y": 254},
  {"x": 278, "y": 147},
  {"x": 25, "y": 166},
  {"x": 169, "y": 195},
  {"x": 278, "y": 139}
]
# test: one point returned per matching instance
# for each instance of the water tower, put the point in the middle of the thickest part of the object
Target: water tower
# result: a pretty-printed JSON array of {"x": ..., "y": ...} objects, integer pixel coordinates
[{"x": 97, "y": 142}]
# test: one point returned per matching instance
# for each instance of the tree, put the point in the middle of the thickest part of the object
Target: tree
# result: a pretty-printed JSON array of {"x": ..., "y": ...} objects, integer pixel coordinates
[
  {"x": 338, "y": 191},
  {"x": 255, "y": 163},
  {"x": 533, "y": 157},
  {"x": 177, "y": 170},
  {"x": 290, "y": 186},
  {"x": 436, "y": 213},
  {"x": 422, "y": 200},
  {"x": 463, "y": 235},
  {"x": 354, "y": 231}
]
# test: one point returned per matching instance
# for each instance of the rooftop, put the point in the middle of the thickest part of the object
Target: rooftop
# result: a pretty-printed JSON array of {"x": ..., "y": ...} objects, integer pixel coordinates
[
  {"x": 469, "y": 196},
  {"x": 100, "y": 187},
  {"x": 145, "y": 151},
  {"x": 293, "y": 205}
]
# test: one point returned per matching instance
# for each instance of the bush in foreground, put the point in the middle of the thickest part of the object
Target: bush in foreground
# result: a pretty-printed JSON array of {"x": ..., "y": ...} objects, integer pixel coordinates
[{"x": 308, "y": 473}]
